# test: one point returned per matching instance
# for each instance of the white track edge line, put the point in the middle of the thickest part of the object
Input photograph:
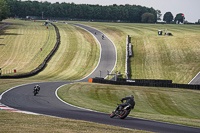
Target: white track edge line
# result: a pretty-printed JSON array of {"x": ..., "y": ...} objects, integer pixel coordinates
[{"x": 194, "y": 78}]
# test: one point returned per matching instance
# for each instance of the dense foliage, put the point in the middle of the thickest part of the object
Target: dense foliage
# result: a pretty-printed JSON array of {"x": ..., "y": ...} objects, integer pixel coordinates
[
  {"x": 168, "y": 17},
  {"x": 4, "y": 10},
  {"x": 148, "y": 18},
  {"x": 179, "y": 18},
  {"x": 126, "y": 12}
]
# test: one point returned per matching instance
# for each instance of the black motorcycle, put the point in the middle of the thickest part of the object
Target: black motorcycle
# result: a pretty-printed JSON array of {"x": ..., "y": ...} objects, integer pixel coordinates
[{"x": 121, "y": 112}]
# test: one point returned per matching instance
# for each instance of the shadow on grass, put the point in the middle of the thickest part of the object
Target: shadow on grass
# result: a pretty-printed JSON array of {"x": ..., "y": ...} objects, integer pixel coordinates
[{"x": 3, "y": 32}]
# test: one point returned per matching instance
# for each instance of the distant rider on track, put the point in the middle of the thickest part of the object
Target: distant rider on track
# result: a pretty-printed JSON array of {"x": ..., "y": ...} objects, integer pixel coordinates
[
  {"x": 102, "y": 36},
  {"x": 36, "y": 88}
]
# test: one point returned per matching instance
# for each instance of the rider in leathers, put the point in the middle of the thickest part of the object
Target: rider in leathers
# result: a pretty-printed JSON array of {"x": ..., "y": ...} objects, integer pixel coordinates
[
  {"x": 129, "y": 100},
  {"x": 37, "y": 88}
]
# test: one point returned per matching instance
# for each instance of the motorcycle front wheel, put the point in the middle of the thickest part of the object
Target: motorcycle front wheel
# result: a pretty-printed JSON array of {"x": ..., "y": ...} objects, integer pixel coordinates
[
  {"x": 34, "y": 93},
  {"x": 112, "y": 114}
]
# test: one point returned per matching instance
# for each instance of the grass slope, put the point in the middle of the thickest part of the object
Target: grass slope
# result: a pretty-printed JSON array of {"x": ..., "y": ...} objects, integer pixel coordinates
[
  {"x": 76, "y": 57},
  {"x": 23, "y": 123},
  {"x": 164, "y": 104},
  {"x": 156, "y": 57},
  {"x": 21, "y": 43}
]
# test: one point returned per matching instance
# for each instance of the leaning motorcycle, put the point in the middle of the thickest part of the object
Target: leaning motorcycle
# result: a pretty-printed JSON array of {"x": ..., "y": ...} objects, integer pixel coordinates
[{"x": 121, "y": 112}]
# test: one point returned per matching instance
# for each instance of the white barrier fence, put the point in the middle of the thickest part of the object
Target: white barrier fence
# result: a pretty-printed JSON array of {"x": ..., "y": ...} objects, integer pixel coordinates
[{"x": 129, "y": 53}]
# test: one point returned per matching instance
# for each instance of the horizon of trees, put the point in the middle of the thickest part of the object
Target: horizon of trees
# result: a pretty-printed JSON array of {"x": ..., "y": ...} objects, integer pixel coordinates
[{"x": 131, "y": 13}]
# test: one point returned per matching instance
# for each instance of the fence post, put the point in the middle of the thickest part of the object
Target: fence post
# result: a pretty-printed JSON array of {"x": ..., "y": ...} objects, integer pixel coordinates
[{"x": 108, "y": 74}]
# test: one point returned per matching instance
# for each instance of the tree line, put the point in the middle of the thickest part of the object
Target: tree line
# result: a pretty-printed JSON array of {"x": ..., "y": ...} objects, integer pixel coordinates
[{"x": 131, "y": 13}]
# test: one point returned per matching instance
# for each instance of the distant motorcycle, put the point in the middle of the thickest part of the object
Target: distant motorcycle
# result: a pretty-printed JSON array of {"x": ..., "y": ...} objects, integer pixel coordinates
[
  {"x": 36, "y": 90},
  {"x": 121, "y": 112},
  {"x": 102, "y": 37}
]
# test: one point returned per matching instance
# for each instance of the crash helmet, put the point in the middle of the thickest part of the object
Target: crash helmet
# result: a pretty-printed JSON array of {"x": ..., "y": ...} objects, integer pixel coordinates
[
  {"x": 37, "y": 86},
  {"x": 131, "y": 96}
]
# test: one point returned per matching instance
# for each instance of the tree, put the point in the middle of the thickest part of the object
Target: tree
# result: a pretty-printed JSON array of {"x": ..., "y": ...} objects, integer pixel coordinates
[
  {"x": 126, "y": 12},
  {"x": 158, "y": 14},
  {"x": 4, "y": 10},
  {"x": 148, "y": 18},
  {"x": 179, "y": 18},
  {"x": 168, "y": 17}
]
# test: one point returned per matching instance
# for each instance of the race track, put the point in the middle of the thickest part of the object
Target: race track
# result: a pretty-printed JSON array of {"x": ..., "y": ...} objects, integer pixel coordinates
[{"x": 47, "y": 103}]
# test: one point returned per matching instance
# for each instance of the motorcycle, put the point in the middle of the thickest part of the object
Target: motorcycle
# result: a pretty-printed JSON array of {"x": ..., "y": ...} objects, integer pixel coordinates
[
  {"x": 121, "y": 112},
  {"x": 102, "y": 37}
]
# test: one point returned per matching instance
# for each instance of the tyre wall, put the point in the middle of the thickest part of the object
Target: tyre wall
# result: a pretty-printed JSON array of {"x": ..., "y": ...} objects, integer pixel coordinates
[{"x": 146, "y": 82}]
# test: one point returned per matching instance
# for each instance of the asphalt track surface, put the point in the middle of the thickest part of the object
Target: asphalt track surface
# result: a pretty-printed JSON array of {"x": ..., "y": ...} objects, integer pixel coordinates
[
  {"x": 195, "y": 80},
  {"x": 47, "y": 103},
  {"x": 6, "y": 24}
]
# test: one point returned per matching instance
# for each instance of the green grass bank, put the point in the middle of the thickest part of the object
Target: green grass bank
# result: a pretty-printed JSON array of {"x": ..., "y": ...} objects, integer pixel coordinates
[
  {"x": 180, "y": 106},
  {"x": 23, "y": 123},
  {"x": 21, "y": 45}
]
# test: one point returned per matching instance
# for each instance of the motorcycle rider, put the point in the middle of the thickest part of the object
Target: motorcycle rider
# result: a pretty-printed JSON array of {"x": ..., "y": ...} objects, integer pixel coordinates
[
  {"x": 37, "y": 88},
  {"x": 129, "y": 100},
  {"x": 102, "y": 36}
]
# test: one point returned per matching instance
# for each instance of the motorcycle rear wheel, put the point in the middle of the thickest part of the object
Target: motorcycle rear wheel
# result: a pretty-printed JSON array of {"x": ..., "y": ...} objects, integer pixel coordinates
[{"x": 124, "y": 114}]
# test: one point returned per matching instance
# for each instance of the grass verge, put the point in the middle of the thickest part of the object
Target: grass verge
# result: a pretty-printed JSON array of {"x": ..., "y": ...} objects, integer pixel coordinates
[{"x": 23, "y": 123}]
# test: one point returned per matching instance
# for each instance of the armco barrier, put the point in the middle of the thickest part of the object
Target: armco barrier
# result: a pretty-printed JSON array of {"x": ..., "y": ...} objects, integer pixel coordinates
[
  {"x": 147, "y": 82},
  {"x": 43, "y": 64}
]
